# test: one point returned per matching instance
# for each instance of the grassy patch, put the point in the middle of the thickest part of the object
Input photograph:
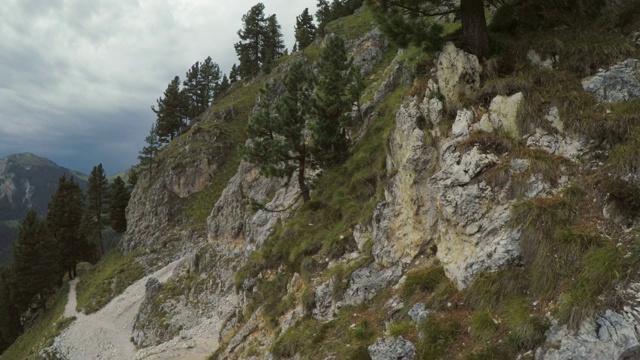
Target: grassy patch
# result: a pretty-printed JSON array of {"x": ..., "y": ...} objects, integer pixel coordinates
[
  {"x": 439, "y": 332},
  {"x": 424, "y": 280},
  {"x": 346, "y": 337},
  {"x": 41, "y": 335},
  {"x": 106, "y": 280},
  {"x": 352, "y": 27}
]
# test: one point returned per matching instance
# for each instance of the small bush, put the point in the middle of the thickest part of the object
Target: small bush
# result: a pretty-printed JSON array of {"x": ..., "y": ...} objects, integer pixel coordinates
[
  {"x": 483, "y": 326},
  {"x": 423, "y": 280},
  {"x": 439, "y": 333},
  {"x": 526, "y": 329},
  {"x": 401, "y": 328}
]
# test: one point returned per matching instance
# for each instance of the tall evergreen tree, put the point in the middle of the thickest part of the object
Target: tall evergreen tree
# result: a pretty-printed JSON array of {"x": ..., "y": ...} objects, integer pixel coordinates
[
  {"x": 10, "y": 326},
  {"x": 278, "y": 141},
  {"x": 273, "y": 44},
  {"x": 249, "y": 48},
  {"x": 222, "y": 87},
  {"x": 148, "y": 153},
  {"x": 234, "y": 74},
  {"x": 64, "y": 217},
  {"x": 409, "y": 21},
  {"x": 171, "y": 112},
  {"x": 118, "y": 200},
  {"x": 305, "y": 30},
  {"x": 132, "y": 177},
  {"x": 34, "y": 263},
  {"x": 192, "y": 92},
  {"x": 209, "y": 81},
  {"x": 332, "y": 104},
  {"x": 97, "y": 205}
]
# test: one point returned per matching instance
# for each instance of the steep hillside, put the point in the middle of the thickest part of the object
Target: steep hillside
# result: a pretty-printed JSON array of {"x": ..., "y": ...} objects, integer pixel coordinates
[
  {"x": 487, "y": 210},
  {"x": 27, "y": 183}
]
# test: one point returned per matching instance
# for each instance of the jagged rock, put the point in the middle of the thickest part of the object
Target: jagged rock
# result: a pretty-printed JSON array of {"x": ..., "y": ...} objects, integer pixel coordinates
[
  {"x": 395, "y": 73},
  {"x": 392, "y": 348},
  {"x": 368, "y": 281},
  {"x": 471, "y": 232},
  {"x": 618, "y": 84},
  {"x": 401, "y": 223},
  {"x": 462, "y": 125},
  {"x": 152, "y": 288},
  {"x": 233, "y": 221},
  {"x": 556, "y": 144},
  {"x": 433, "y": 109},
  {"x": 457, "y": 72},
  {"x": 368, "y": 51},
  {"x": 325, "y": 306},
  {"x": 553, "y": 117},
  {"x": 605, "y": 338},
  {"x": 418, "y": 313},
  {"x": 503, "y": 112}
]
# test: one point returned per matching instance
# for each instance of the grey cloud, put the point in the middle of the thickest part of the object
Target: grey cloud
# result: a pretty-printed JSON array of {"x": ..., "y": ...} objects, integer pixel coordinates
[{"x": 78, "y": 77}]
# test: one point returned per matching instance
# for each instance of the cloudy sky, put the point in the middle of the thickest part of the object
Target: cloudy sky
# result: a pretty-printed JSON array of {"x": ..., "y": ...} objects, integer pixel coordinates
[{"x": 78, "y": 77}]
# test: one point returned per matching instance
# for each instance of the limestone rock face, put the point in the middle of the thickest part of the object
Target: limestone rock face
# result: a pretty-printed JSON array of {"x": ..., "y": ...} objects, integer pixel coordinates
[
  {"x": 401, "y": 224},
  {"x": 457, "y": 72},
  {"x": 618, "y": 84},
  {"x": 233, "y": 222},
  {"x": 504, "y": 112},
  {"x": 369, "y": 50},
  {"x": 605, "y": 338},
  {"x": 392, "y": 348}
]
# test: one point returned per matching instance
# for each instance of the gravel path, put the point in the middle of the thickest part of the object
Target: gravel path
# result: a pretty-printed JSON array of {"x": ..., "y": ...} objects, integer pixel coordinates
[{"x": 106, "y": 334}]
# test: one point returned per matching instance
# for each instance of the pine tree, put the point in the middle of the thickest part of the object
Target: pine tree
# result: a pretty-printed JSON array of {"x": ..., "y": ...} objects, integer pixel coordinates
[
  {"x": 64, "y": 217},
  {"x": 249, "y": 48},
  {"x": 305, "y": 30},
  {"x": 234, "y": 74},
  {"x": 34, "y": 262},
  {"x": 356, "y": 88},
  {"x": 132, "y": 177},
  {"x": 278, "y": 142},
  {"x": 148, "y": 153},
  {"x": 191, "y": 92},
  {"x": 273, "y": 44},
  {"x": 209, "y": 82},
  {"x": 408, "y": 21},
  {"x": 171, "y": 112},
  {"x": 222, "y": 87},
  {"x": 10, "y": 325},
  {"x": 97, "y": 205},
  {"x": 118, "y": 200},
  {"x": 331, "y": 104}
]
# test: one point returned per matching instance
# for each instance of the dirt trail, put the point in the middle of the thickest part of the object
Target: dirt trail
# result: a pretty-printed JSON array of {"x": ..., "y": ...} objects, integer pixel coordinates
[{"x": 106, "y": 334}]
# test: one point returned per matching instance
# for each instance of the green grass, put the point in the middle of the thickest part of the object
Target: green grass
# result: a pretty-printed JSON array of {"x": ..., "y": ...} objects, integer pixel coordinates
[
  {"x": 41, "y": 335},
  {"x": 423, "y": 281},
  {"x": 106, "y": 280},
  {"x": 352, "y": 27}
]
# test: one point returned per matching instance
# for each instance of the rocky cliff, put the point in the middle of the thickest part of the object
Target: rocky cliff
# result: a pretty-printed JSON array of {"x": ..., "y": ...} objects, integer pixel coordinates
[{"x": 488, "y": 211}]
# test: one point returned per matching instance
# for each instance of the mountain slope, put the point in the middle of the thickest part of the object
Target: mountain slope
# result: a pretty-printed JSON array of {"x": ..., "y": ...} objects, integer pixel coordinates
[{"x": 27, "y": 182}]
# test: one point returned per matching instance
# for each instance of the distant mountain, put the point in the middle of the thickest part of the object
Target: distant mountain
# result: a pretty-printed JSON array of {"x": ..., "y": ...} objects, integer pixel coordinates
[{"x": 27, "y": 182}]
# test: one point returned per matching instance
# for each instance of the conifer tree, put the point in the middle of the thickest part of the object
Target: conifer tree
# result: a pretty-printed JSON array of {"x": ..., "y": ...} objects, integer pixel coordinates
[
  {"x": 97, "y": 205},
  {"x": 249, "y": 48},
  {"x": 234, "y": 74},
  {"x": 34, "y": 263},
  {"x": 10, "y": 325},
  {"x": 118, "y": 200},
  {"x": 222, "y": 87},
  {"x": 64, "y": 217},
  {"x": 331, "y": 104},
  {"x": 273, "y": 44},
  {"x": 209, "y": 81},
  {"x": 148, "y": 153},
  {"x": 409, "y": 21},
  {"x": 132, "y": 177},
  {"x": 305, "y": 30},
  {"x": 356, "y": 88},
  {"x": 278, "y": 142},
  {"x": 191, "y": 92},
  {"x": 171, "y": 112}
]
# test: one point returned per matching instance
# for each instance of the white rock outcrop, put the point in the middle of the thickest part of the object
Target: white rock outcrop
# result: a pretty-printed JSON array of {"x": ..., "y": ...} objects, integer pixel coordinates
[{"x": 458, "y": 72}]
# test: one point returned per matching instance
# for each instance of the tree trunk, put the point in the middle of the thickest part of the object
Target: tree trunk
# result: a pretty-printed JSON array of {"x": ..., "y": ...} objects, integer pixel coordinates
[
  {"x": 304, "y": 189},
  {"x": 474, "y": 27}
]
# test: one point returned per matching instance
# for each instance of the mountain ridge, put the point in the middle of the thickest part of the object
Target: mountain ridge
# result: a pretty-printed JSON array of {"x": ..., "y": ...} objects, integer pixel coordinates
[{"x": 27, "y": 182}]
